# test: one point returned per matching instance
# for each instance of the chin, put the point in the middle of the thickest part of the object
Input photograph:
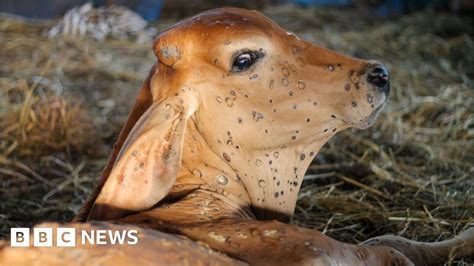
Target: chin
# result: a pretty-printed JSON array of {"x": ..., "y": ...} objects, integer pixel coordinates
[{"x": 370, "y": 120}]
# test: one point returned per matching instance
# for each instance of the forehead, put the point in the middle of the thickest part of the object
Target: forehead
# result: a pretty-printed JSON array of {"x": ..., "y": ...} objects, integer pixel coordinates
[{"x": 227, "y": 23}]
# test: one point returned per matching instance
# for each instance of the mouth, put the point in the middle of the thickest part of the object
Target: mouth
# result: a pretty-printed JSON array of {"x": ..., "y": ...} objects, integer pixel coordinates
[{"x": 370, "y": 120}]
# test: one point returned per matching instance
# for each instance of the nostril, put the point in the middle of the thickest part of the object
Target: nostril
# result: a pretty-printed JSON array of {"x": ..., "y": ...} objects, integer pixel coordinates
[{"x": 379, "y": 77}]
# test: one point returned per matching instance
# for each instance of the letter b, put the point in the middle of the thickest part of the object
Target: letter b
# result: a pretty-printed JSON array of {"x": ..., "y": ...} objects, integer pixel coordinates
[
  {"x": 43, "y": 237},
  {"x": 20, "y": 237}
]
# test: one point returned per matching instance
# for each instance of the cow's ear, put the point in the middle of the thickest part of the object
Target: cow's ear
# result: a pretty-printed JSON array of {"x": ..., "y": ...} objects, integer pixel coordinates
[
  {"x": 148, "y": 162},
  {"x": 142, "y": 103}
]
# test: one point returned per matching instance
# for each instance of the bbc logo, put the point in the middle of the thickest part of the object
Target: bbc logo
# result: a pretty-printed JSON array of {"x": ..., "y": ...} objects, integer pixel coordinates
[
  {"x": 42, "y": 237},
  {"x": 66, "y": 237}
]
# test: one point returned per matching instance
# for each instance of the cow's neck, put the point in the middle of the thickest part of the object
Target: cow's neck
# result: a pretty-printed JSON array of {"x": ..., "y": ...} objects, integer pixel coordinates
[
  {"x": 273, "y": 177},
  {"x": 268, "y": 180}
]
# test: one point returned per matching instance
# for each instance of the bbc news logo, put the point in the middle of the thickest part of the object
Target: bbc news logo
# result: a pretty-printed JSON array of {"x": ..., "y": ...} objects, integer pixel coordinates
[{"x": 66, "y": 237}]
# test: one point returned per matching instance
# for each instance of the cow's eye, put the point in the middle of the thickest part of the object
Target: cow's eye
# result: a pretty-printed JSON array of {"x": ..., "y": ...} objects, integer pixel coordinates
[{"x": 244, "y": 60}]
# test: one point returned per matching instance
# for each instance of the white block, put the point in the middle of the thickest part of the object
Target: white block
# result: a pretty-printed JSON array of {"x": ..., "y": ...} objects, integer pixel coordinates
[
  {"x": 43, "y": 237},
  {"x": 20, "y": 237},
  {"x": 66, "y": 237}
]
